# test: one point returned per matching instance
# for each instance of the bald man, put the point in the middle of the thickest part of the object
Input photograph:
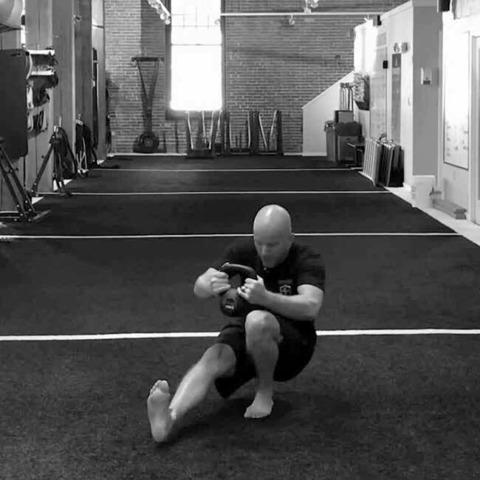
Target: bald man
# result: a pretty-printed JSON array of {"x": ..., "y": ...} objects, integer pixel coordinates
[{"x": 274, "y": 342}]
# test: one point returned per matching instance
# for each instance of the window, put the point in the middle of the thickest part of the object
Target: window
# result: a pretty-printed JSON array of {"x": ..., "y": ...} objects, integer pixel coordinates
[{"x": 195, "y": 55}]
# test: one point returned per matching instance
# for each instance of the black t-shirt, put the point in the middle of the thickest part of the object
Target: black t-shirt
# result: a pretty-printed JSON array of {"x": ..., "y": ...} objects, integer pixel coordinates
[{"x": 303, "y": 266}]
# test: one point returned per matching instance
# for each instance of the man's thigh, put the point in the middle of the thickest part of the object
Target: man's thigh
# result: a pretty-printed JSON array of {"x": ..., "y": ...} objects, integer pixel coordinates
[
  {"x": 296, "y": 348},
  {"x": 295, "y": 351}
]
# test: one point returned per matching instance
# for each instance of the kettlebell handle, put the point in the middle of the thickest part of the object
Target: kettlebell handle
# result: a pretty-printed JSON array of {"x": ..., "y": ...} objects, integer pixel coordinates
[{"x": 244, "y": 271}]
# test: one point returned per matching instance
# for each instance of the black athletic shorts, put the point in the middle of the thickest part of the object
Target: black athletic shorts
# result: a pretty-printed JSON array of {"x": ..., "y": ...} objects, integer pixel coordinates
[{"x": 295, "y": 351}]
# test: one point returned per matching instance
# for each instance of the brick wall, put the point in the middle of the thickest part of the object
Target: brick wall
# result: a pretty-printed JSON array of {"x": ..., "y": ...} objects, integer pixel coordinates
[{"x": 268, "y": 63}]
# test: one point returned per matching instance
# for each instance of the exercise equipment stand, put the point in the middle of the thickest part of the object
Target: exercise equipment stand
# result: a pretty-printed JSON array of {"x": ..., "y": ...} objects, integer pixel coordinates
[
  {"x": 273, "y": 143},
  {"x": 202, "y": 144},
  {"x": 237, "y": 146},
  {"x": 55, "y": 149},
  {"x": 25, "y": 210}
]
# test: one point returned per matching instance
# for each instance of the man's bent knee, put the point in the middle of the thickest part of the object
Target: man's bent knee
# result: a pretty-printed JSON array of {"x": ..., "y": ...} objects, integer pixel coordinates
[
  {"x": 261, "y": 325},
  {"x": 219, "y": 360}
]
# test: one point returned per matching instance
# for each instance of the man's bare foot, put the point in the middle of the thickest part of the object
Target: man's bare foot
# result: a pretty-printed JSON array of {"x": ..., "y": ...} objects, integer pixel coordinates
[
  {"x": 159, "y": 412},
  {"x": 261, "y": 406}
]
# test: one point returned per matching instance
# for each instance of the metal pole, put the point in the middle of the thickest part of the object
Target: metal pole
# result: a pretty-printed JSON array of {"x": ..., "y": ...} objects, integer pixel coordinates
[{"x": 299, "y": 14}]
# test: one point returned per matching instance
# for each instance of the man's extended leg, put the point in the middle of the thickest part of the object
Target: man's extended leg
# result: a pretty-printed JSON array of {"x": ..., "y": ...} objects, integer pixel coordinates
[
  {"x": 218, "y": 360},
  {"x": 262, "y": 337}
]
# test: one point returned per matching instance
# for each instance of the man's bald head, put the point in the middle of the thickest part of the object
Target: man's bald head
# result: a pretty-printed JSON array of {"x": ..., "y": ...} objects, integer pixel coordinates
[
  {"x": 272, "y": 232},
  {"x": 273, "y": 218}
]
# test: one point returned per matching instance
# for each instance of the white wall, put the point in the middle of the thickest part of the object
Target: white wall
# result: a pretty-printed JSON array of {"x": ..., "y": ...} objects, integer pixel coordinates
[
  {"x": 454, "y": 180},
  {"x": 416, "y": 24},
  {"x": 318, "y": 111}
]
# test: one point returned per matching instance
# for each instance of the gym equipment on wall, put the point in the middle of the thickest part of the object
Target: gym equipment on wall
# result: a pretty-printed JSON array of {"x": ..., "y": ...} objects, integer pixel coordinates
[
  {"x": 41, "y": 77},
  {"x": 202, "y": 143},
  {"x": 147, "y": 142},
  {"x": 63, "y": 162},
  {"x": 361, "y": 90},
  {"x": 25, "y": 210},
  {"x": 85, "y": 155}
]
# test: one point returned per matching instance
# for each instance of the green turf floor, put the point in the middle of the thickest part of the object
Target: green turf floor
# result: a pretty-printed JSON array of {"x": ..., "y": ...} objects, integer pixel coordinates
[{"x": 367, "y": 407}]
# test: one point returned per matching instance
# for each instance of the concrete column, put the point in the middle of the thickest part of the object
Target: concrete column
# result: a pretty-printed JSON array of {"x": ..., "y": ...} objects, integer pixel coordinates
[{"x": 98, "y": 42}]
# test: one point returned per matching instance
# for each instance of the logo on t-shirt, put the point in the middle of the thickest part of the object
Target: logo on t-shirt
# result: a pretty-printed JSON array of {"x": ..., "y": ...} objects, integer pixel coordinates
[{"x": 285, "y": 287}]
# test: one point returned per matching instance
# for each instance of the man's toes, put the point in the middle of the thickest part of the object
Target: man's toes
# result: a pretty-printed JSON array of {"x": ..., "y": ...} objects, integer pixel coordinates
[{"x": 161, "y": 385}]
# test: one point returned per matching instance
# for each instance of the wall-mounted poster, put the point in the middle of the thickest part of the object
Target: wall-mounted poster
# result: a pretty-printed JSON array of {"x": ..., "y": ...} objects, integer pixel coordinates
[{"x": 456, "y": 98}]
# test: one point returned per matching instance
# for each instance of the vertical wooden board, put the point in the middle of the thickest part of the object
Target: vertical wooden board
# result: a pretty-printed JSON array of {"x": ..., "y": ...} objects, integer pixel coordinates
[{"x": 64, "y": 45}]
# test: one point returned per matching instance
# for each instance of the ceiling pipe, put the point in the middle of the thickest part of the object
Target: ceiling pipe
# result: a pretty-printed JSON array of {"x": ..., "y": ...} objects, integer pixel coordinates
[{"x": 299, "y": 14}]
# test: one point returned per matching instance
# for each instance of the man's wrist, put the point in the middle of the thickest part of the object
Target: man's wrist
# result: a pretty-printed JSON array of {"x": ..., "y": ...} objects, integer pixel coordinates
[{"x": 268, "y": 299}]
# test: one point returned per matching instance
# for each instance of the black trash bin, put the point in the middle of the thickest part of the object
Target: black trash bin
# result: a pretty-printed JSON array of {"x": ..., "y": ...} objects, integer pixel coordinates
[{"x": 347, "y": 132}]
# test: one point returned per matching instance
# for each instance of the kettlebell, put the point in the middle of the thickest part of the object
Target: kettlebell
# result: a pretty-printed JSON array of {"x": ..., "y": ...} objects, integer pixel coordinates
[{"x": 231, "y": 303}]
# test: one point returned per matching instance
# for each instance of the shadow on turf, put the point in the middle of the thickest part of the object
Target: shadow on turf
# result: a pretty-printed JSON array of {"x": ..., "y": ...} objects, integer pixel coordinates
[
  {"x": 225, "y": 418},
  {"x": 223, "y": 414}
]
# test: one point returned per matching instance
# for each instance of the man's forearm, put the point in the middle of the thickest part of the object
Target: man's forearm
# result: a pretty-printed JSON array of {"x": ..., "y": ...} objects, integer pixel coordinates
[{"x": 295, "y": 307}]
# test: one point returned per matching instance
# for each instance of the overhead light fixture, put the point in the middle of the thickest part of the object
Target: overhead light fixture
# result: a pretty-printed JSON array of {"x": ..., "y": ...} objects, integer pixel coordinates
[{"x": 162, "y": 11}]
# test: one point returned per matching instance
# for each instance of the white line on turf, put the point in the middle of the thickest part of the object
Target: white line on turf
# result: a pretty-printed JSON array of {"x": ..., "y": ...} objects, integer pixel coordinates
[
  {"x": 13, "y": 237},
  {"x": 229, "y": 170},
  {"x": 320, "y": 333},
  {"x": 216, "y": 193}
]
